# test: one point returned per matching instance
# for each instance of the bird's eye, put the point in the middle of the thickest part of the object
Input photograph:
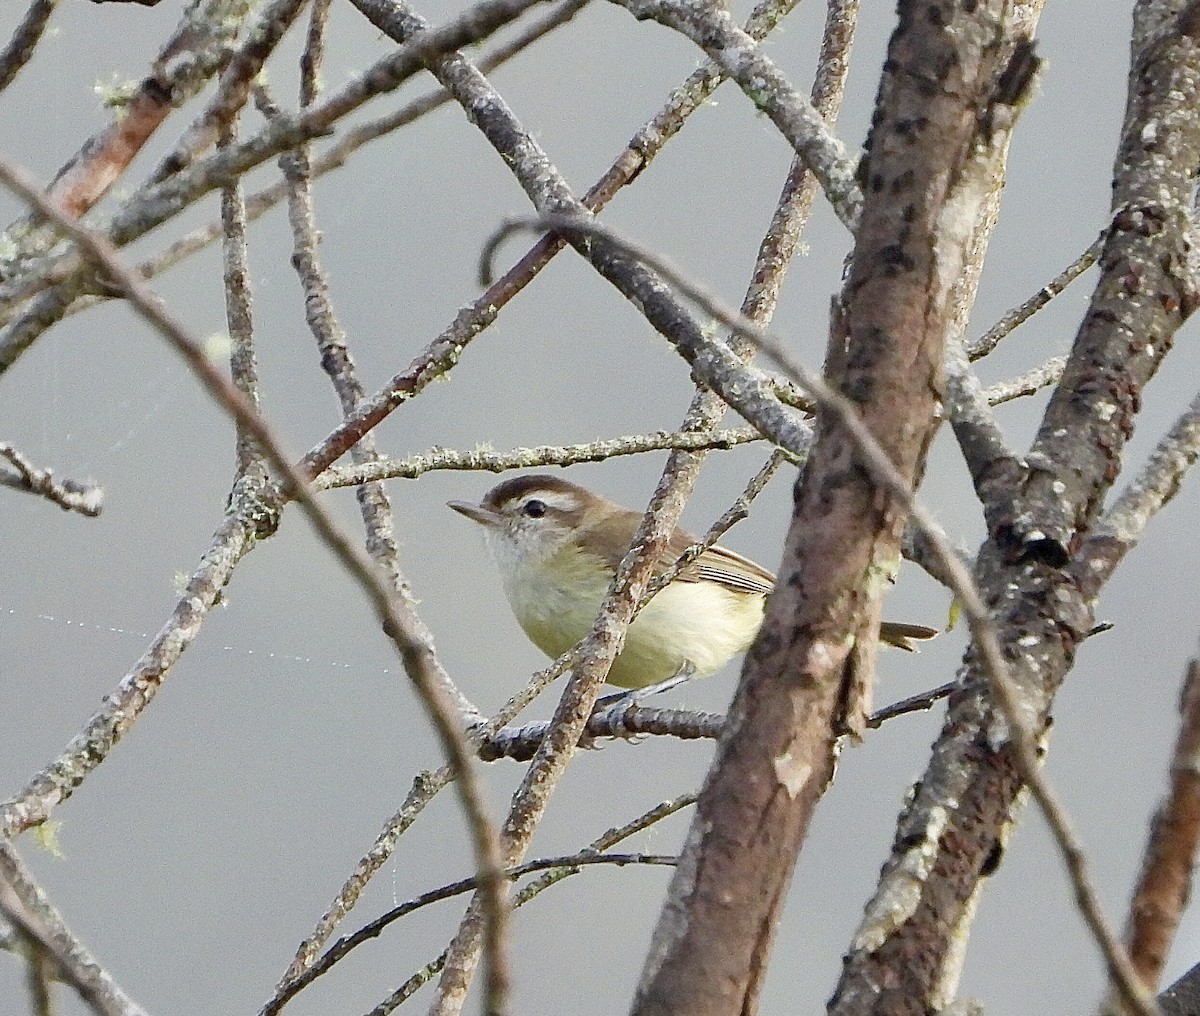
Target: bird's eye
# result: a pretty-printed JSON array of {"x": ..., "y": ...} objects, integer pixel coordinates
[{"x": 535, "y": 509}]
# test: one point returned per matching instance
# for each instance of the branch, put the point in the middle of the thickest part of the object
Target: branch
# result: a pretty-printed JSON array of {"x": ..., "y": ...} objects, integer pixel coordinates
[
  {"x": 373, "y": 929},
  {"x": 445, "y": 350},
  {"x": 289, "y": 987},
  {"x": 152, "y": 205},
  {"x": 711, "y": 27},
  {"x": 240, "y": 71},
  {"x": 191, "y": 55},
  {"x": 1016, "y": 317},
  {"x": 1165, "y": 883},
  {"x": 1121, "y": 527},
  {"x": 70, "y": 495},
  {"x": 25, "y": 905},
  {"x": 24, "y": 40},
  {"x": 484, "y": 459},
  {"x": 1147, "y": 289},
  {"x": 336, "y": 155},
  {"x": 1043, "y": 610}
]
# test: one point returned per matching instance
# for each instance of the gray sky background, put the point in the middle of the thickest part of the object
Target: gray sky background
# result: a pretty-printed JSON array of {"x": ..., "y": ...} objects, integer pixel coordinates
[{"x": 206, "y": 847}]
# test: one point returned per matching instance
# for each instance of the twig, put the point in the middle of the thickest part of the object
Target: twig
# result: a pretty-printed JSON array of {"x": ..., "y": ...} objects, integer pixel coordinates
[
  {"x": 374, "y": 503},
  {"x": 373, "y": 929},
  {"x": 233, "y": 89},
  {"x": 441, "y": 354},
  {"x": 193, "y": 53},
  {"x": 1120, "y": 528},
  {"x": 520, "y": 743},
  {"x": 914, "y": 703},
  {"x": 243, "y": 367},
  {"x": 26, "y": 906},
  {"x": 979, "y": 436},
  {"x": 604, "y": 842},
  {"x": 1165, "y": 883},
  {"x": 484, "y": 459},
  {"x": 712, "y": 28},
  {"x": 1028, "y": 383},
  {"x": 336, "y": 155},
  {"x": 24, "y": 40},
  {"x": 1016, "y": 317},
  {"x": 70, "y": 495},
  {"x": 153, "y": 205}
]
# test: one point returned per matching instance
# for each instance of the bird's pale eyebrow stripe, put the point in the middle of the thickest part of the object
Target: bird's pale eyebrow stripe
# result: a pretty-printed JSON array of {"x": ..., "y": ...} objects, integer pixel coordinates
[{"x": 554, "y": 500}]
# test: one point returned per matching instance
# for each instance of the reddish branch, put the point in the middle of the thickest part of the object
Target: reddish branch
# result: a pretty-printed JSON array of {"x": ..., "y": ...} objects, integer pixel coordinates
[{"x": 1166, "y": 879}]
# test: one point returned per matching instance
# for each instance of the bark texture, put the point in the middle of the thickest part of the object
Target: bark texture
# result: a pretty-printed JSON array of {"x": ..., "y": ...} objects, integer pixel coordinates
[{"x": 813, "y": 659}]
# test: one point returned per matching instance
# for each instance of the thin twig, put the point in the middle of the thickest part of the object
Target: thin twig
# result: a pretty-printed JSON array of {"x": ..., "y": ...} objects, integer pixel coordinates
[
  {"x": 1029, "y": 383},
  {"x": 712, "y": 28},
  {"x": 1143, "y": 497},
  {"x": 374, "y": 502},
  {"x": 1165, "y": 883},
  {"x": 373, "y": 929},
  {"x": 24, "y": 40},
  {"x": 337, "y": 154},
  {"x": 604, "y": 842},
  {"x": 154, "y": 204},
  {"x": 990, "y": 339},
  {"x": 70, "y": 495},
  {"x": 243, "y": 367},
  {"x": 485, "y": 460},
  {"x": 425, "y": 786},
  {"x": 444, "y": 352},
  {"x": 26, "y": 906}
]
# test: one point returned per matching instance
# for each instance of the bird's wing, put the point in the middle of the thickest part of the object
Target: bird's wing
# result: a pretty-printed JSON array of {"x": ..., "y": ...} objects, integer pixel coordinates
[{"x": 716, "y": 564}]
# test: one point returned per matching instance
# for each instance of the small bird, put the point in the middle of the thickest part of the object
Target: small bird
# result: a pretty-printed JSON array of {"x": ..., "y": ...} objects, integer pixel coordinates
[{"x": 558, "y": 546}]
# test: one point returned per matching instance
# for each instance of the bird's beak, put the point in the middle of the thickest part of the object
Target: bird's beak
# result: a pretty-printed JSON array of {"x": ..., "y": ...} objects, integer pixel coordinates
[{"x": 477, "y": 513}]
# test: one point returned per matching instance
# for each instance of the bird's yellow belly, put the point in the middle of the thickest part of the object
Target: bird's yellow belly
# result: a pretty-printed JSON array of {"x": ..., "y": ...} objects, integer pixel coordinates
[{"x": 699, "y": 623}]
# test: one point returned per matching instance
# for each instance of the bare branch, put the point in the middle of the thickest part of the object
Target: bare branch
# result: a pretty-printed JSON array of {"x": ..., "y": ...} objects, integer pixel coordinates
[
  {"x": 24, "y": 40},
  {"x": 556, "y": 873},
  {"x": 1144, "y": 496},
  {"x": 153, "y": 205},
  {"x": 193, "y": 53},
  {"x": 1165, "y": 883},
  {"x": 70, "y": 495},
  {"x": 569, "y": 864},
  {"x": 484, "y": 459},
  {"x": 26, "y": 906},
  {"x": 1016, "y": 317},
  {"x": 243, "y": 367},
  {"x": 233, "y": 89},
  {"x": 609, "y": 839},
  {"x": 425, "y": 787},
  {"x": 1026, "y": 384},
  {"x": 712, "y": 28},
  {"x": 1147, "y": 289}
]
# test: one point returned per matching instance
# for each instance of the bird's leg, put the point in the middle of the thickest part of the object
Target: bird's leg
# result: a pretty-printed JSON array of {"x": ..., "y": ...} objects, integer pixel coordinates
[{"x": 615, "y": 706}]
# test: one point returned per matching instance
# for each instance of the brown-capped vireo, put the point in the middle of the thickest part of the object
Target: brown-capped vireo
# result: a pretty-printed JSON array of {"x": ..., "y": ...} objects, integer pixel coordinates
[{"x": 558, "y": 546}]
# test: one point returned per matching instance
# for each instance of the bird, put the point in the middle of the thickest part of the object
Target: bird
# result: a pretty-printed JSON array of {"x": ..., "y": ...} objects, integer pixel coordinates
[{"x": 557, "y": 546}]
